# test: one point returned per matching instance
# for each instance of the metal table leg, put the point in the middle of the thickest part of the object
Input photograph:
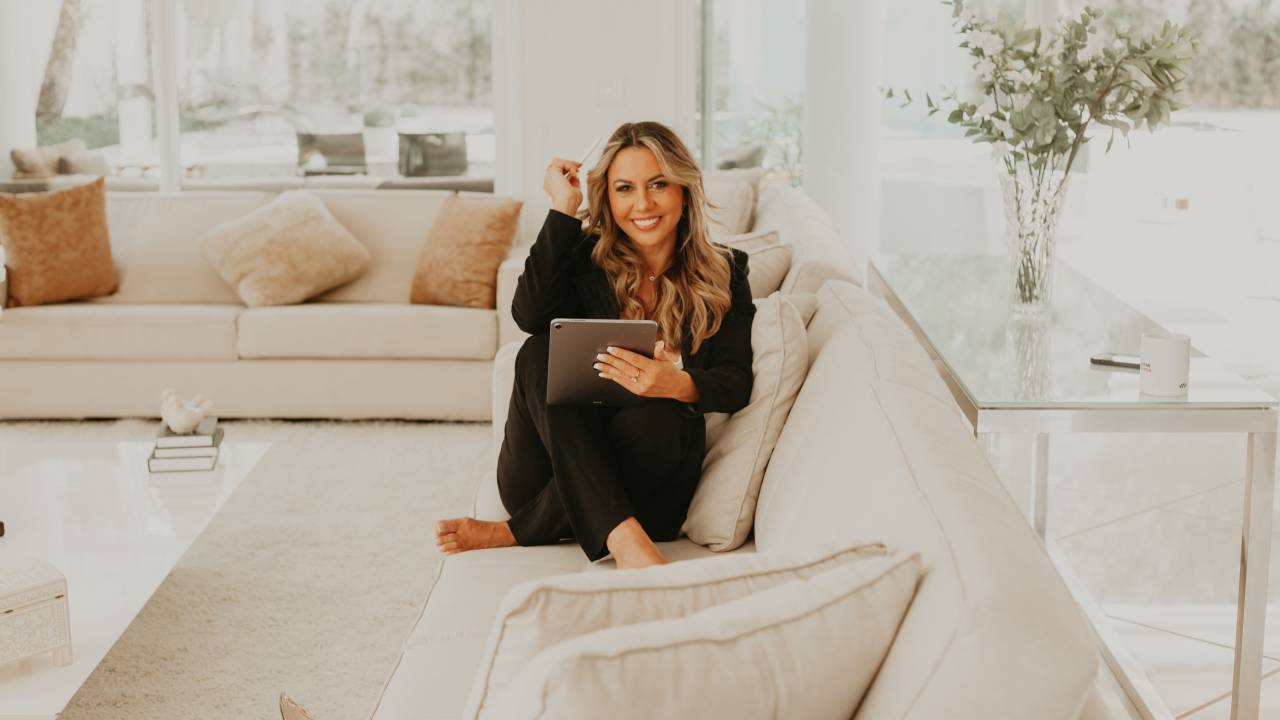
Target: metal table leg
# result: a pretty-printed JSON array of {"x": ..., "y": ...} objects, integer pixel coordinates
[
  {"x": 1255, "y": 556},
  {"x": 1040, "y": 486}
]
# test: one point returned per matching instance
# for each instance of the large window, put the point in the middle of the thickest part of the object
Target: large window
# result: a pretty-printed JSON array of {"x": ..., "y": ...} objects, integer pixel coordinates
[
  {"x": 277, "y": 87},
  {"x": 95, "y": 85},
  {"x": 753, "y": 85},
  {"x": 1209, "y": 173},
  {"x": 376, "y": 88}
]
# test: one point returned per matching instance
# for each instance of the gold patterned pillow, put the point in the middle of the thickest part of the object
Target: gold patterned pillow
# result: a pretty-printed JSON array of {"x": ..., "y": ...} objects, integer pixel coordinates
[
  {"x": 459, "y": 261},
  {"x": 56, "y": 245}
]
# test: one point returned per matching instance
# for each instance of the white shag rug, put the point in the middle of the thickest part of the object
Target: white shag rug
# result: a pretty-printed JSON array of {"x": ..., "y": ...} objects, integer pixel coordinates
[{"x": 308, "y": 580}]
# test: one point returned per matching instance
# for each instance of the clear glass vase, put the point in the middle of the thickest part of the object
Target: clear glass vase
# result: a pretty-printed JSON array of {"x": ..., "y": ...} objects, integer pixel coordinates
[{"x": 1032, "y": 205}]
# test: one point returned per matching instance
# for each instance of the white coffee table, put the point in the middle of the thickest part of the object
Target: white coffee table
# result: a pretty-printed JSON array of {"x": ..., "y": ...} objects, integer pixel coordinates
[
  {"x": 114, "y": 530},
  {"x": 1018, "y": 376}
]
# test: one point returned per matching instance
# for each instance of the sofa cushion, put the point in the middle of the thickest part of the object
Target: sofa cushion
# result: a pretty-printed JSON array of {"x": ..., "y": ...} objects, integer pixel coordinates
[
  {"x": 433, "y": 677},
  {"x": 820, "y": 254},
  {"x": 731, "y": 206},
  {"x": 155, "y": 243},
  {"x": 739, "y": 445},
  {"x": 538, "y": 614},
  {"x": 368, "y": 330},
  {"x": 84, "y": 331},
  {"x": 284, "y": 252},
  {"x": 56, "y": 245},
  {"x": 805, "y": 649},
  {"x": 768, "y": 260},
  {"x": 875, "y": 447},
  {"x": 460, "y": 257}
]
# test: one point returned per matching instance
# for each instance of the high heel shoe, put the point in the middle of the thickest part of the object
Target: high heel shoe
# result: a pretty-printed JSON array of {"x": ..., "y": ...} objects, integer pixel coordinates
[{"x": 290, "y": 710}]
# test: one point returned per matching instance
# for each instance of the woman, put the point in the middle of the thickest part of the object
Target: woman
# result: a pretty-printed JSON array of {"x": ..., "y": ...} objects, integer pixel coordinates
[{"x": 616, "y": 479}]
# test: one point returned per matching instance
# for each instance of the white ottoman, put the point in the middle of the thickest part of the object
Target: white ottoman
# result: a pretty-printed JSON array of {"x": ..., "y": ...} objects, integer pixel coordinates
[{"x": 33, "y": 612}]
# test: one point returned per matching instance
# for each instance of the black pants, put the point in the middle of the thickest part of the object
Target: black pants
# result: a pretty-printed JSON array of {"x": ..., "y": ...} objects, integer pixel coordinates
[{"x": 575, "y": 472}]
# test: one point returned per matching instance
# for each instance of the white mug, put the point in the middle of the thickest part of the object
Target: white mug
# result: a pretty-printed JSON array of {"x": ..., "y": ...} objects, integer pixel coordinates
[{"x": 1165, "y": 365}]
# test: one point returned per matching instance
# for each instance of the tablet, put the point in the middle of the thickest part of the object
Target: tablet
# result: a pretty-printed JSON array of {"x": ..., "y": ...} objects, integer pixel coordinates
[{"x": 575, "y": 342}]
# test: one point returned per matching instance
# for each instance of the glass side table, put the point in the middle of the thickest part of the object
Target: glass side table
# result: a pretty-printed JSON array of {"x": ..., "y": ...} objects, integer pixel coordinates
[{"x": 1034, "y": 377}]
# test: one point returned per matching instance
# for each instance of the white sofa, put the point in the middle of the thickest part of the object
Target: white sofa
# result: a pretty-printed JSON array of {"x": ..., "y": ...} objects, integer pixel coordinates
[
  {"x": 358, "y": 351},
  {"x": 873, "y": 449}
]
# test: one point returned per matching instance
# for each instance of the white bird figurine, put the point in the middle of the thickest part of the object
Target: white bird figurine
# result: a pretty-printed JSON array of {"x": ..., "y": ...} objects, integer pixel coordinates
[{"x": 182, "y": 416}]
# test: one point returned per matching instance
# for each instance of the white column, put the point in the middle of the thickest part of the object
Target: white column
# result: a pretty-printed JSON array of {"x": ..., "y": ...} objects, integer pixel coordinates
[
  {"x": 23, "y": 53},
  {"x": 164, "y": 59},
  {"x": 132, "y": 71},
  {"x": 842, "y": 117}
]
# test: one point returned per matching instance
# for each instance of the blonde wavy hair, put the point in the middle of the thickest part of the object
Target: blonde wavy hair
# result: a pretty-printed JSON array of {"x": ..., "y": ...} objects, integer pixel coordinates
[{"x": 694, "y": 292}]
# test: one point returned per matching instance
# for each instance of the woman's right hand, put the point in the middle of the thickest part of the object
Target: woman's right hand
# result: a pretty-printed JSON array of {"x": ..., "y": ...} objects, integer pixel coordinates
[{"x": 562, "y": 186}]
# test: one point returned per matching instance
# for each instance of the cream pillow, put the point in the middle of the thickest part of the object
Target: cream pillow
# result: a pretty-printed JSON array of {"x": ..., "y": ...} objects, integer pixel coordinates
[
  {"x": 284, "y": 252},
  {"x": 768, "y": 260},
  {"x": 731, "y": 206},
  {"x": 739, "y": 445},
  {"x": 42, "y": 162},
  {"x": 538, "y": 614},
  {"x": 805, "y": 649}
]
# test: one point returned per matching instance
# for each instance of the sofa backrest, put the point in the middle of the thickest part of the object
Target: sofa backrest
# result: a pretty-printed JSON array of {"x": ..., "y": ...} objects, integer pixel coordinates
[
  {"x": 875, "y": 448},
  {"x": 393, "y": 224},
  {"x": 155, "y": 241},
  {"x": 819, "y": 254}
]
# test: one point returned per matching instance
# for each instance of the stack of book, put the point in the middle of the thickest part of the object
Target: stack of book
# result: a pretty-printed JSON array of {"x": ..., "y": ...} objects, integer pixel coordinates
[{"x": 197, "y": 450}]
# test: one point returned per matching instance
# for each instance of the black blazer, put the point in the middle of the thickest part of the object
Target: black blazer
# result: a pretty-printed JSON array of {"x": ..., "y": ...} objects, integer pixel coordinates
[{"x": 560, "y": 280}]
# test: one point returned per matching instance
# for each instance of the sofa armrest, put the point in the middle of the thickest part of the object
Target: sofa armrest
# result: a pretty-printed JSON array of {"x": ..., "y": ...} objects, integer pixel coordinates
[
  {"x": 508, "y": 276},
  {"x": 487, "y": 504}
]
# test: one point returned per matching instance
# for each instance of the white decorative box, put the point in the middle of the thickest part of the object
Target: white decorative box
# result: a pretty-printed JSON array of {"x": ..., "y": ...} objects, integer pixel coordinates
[{"x": 34, "y": 617}]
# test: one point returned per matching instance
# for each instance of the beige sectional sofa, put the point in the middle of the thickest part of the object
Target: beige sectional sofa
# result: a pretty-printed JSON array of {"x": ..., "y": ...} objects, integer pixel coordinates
[
  {"x": 873, "y": 449},
  {"x": 358, "y": 351}
]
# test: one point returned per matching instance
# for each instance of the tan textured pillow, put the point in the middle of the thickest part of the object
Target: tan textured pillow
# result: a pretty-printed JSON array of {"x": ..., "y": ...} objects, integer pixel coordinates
[
  {"x": 804, "y": 649},
  {"x": 285, "y": 251},
  {"x": 44, "y": 161},
  {"x": 459, "y": 261},
  {"x": 540, "y": 613},
  {"x": 768, "y": 260},
  {"x": 56, "y": 245}
]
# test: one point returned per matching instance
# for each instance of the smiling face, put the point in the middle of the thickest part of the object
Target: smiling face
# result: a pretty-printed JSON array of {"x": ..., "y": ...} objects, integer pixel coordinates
[{"x": 643, "y": 202}]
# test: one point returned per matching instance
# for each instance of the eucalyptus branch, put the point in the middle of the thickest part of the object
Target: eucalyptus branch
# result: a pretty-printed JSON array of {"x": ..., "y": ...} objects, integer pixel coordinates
[{"x": 1041, "y": 94}]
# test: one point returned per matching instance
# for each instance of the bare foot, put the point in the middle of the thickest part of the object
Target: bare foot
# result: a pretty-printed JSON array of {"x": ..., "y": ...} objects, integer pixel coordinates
[
  {"x": 457, "y": 534},
  {"x": 631, "y": 546},
  {"x": 290, "y": 710}
]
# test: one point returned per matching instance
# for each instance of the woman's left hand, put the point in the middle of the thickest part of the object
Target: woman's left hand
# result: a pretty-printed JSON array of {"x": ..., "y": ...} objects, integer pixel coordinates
[{"x": 656, "y": 377}]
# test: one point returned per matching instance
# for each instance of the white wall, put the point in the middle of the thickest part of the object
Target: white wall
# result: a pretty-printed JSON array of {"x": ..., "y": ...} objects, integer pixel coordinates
[
  {"x": 842, "y": 117},
  {"x": 567, "y": 71}
]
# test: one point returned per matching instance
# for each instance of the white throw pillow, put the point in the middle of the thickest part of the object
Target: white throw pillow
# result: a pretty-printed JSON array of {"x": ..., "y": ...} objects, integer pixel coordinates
[
  {"x": 739, "y": 445},
  {"x": 768, "y": 260},
  {"x": 731, "y": 206},
  {"x": 539, "y": 614},
  {"x": 805, "y": 649},
  {"x": 284, "y": 252}
]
